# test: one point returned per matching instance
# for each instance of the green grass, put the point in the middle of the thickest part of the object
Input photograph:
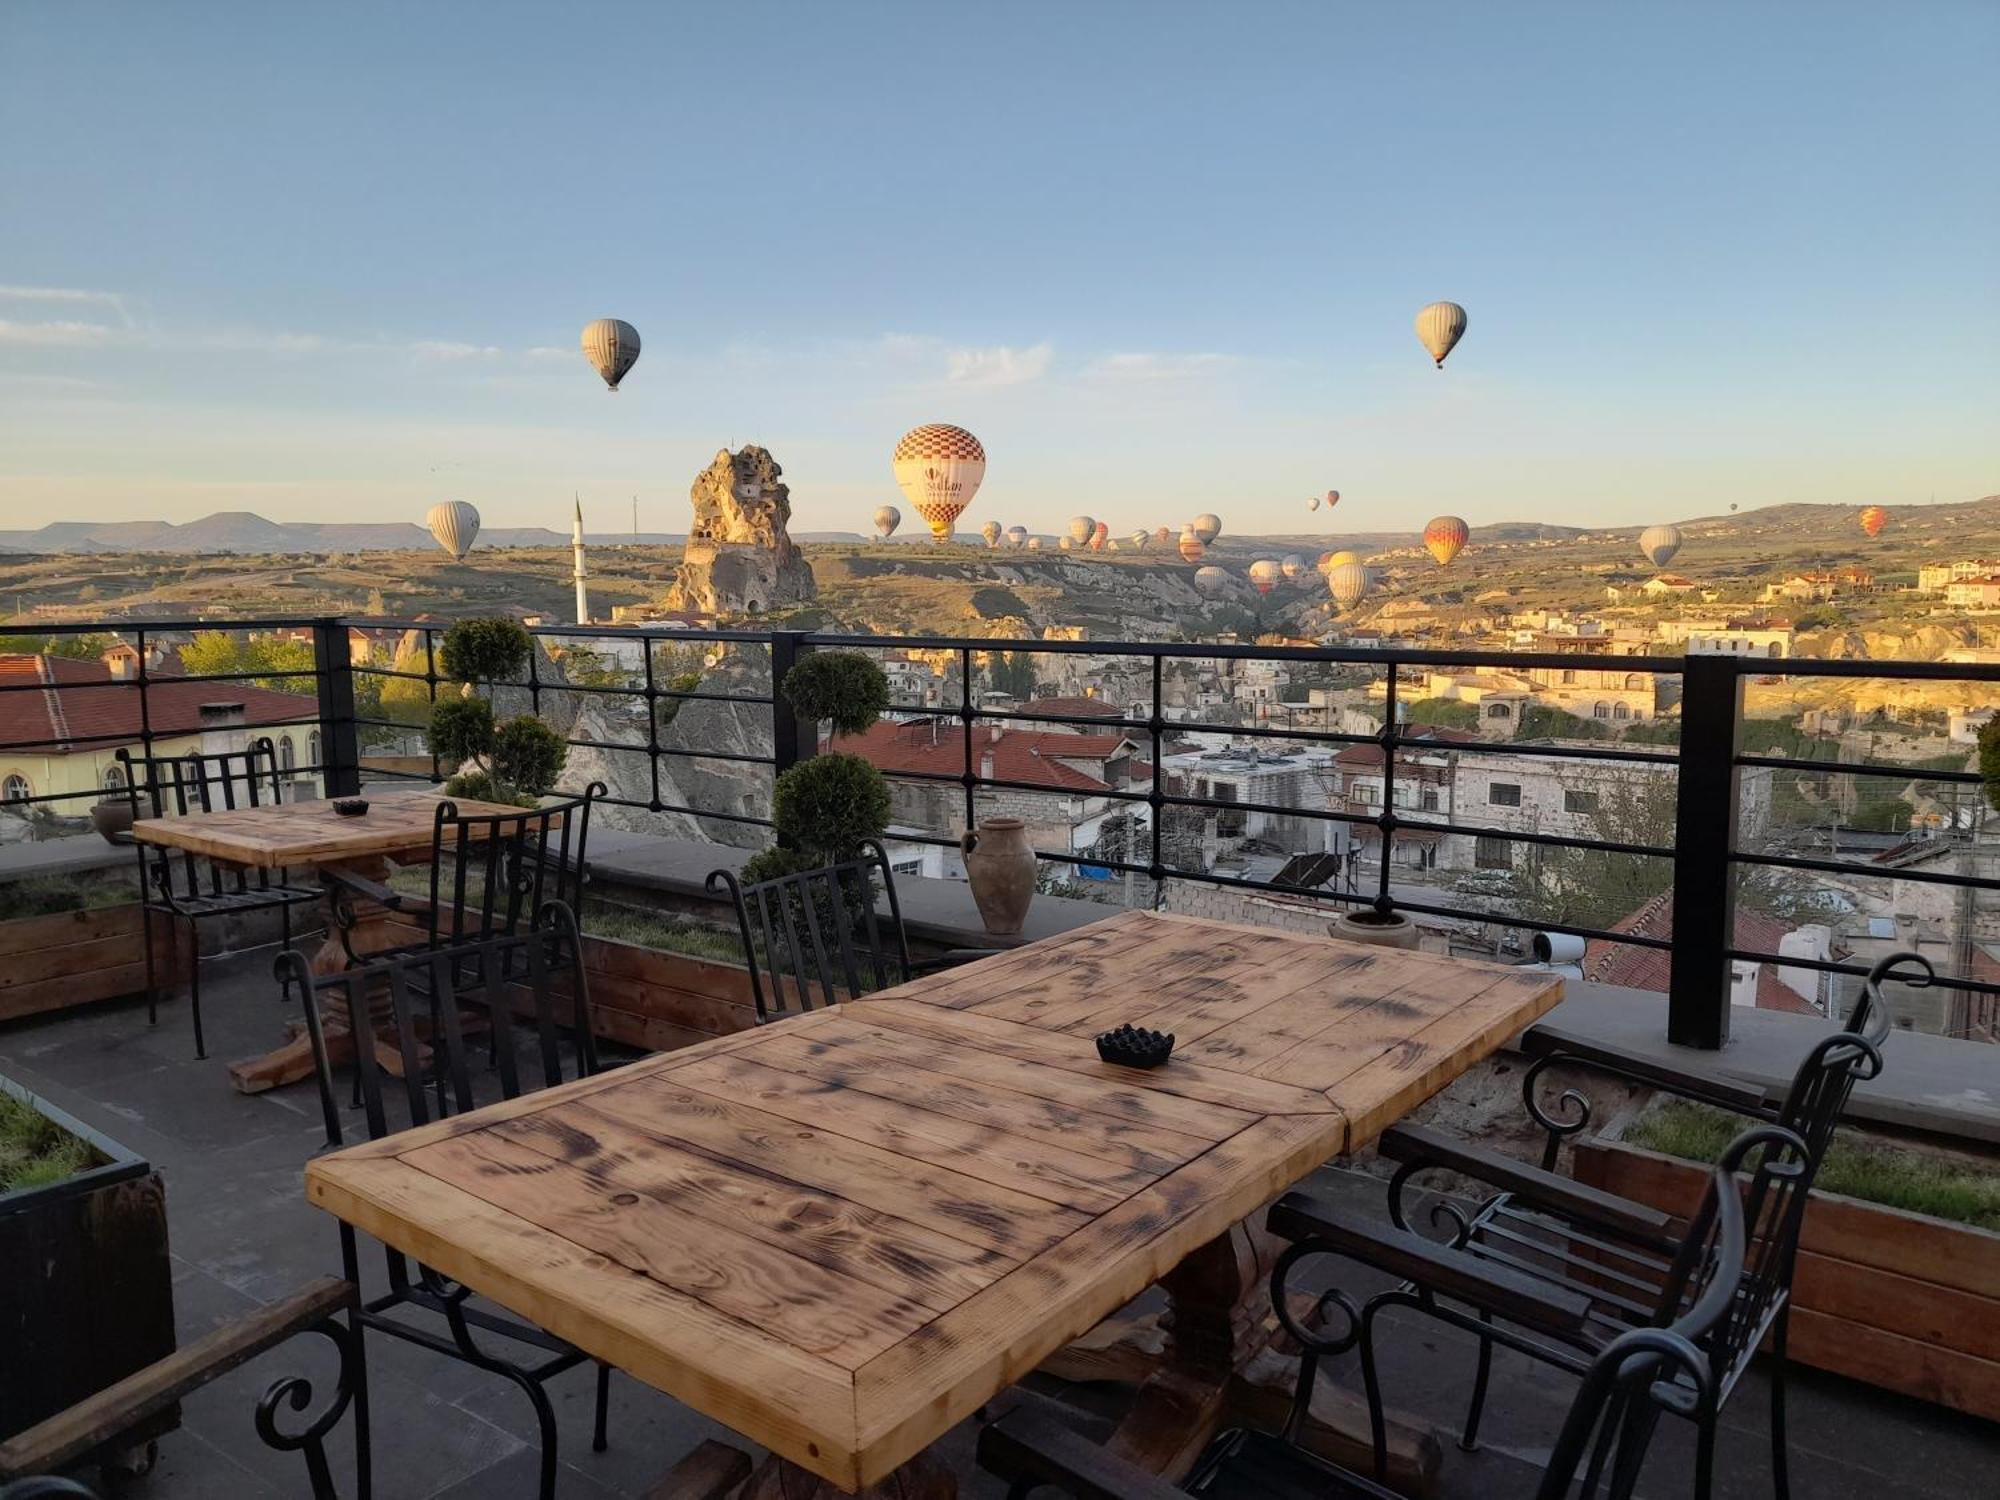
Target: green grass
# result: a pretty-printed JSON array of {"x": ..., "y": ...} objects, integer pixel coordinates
[
  {"x": 670, "y": 932},
  {"x": 34, "y": 1151},
  {"x": 1892, "y": 1176},
  {"x": 44, "y": 895}
]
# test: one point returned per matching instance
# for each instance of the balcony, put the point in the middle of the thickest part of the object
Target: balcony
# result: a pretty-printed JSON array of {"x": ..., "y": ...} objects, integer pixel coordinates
[{"x": 1688, "y": 865}]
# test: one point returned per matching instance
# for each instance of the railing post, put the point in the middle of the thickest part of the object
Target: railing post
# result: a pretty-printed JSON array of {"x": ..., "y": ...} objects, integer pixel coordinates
[
  {"x": 791, "y": 741},
  {"x": 333, "y": 674},
  {"x": 1704, "y": 839}
]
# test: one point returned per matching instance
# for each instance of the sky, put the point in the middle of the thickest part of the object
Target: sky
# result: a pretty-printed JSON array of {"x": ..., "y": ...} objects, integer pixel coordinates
[{"x": 331, "y": 262}]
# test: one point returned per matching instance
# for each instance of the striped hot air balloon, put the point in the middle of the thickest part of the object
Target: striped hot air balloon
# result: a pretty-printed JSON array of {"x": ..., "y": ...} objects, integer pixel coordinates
[
  {"x": 887, "y": 519},
  {"x": 1206, "y": 527},
  {"x": 1139, "y": 538},
  {"x": 939, "y": 467},
  {"x": 1017, "y": 537},
  {"x": 455, "y": 525},
  {"x": 1348, "y": 584},
  {"x": 1294, "y": 566},
  {"x": 1873, "y": 519},
  {"x": 1081, "y": 529},
  {"x": 1212, "y": 581},
  {"x": 1337, "y": 559},
  {"x": 1444, "y": 536},
  {"x": 1192, "y": 549},
  {"x": 1441, "y": 326},
  {"x": 612, "y": 346},
  {"x": 1658, "y": 544},
  {"x": 1264, "y": 575}
]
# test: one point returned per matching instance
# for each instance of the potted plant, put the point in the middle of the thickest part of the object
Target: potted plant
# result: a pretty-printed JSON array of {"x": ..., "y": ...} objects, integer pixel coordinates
[
  {"x": 1898, "y": 1281},
  {"x": 517, "y": 760},
  {"x": 83, "y": 1227}
]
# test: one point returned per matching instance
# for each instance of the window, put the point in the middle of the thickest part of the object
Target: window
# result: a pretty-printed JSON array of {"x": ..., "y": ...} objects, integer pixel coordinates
[
  {"x": 1492, "y": 854},
  {"x": 312, "y": 748},
  {"x": 1575, "y": 801},
  {"x": 1775, "y": 649},
  {"x": 1503, "y": 794},
  {"x": 1634, "y": 682},
  {"x": 908, "y": 867},
  {"x": 114, "y": 778},
  {"x": 15, "y": 788},
  {"x": 1621, "y": 711},
  {"x": 287, "y": 756},
  {"x": 1568, "y": 678},
  {"x": 1499, "y": 711},
  {"x": 1600, "y": 711},
  {"x": 1430, "y": 796}
]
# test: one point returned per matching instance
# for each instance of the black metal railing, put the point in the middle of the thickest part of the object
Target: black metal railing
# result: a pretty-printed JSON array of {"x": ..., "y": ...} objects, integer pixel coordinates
[{"x": 1708, "y": 761}]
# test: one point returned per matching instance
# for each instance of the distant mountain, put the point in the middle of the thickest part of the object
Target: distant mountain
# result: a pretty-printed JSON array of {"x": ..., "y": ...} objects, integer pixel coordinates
[{"x": 246, "y": 532}]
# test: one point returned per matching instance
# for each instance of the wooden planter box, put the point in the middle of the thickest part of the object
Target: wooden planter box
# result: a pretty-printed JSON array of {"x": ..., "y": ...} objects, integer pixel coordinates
[
  {"x": 77, "y": 957},
  {"x": 1899, "y": 1300},
  {"x": 86, "y": 1293}
]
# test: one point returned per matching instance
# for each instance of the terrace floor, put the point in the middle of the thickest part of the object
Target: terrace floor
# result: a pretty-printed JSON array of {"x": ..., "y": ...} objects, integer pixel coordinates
[{"x": 242, "y": 1235}]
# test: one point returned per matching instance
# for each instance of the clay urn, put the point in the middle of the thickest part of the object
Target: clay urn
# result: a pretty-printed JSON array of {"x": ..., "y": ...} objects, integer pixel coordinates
[{"x": 1000, "y": 863}]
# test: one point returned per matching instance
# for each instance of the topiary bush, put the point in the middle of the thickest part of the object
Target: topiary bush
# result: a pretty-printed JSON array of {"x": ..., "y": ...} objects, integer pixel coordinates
[
  {"x": 528, "y": 756},
  {"x": 489, "y": 650},
  {"x": 461, "y": 729},
  {"x": 845, "y": 687},
  {"x": 824, "y": 807}
]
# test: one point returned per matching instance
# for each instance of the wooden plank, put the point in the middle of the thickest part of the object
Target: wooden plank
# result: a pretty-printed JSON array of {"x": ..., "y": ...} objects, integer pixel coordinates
[
  {"x": 792, "y": 1402},
  {"x": 1871, "y": 1297},
  {"x": 1963, "y": 1382},
  {"x": 1368, "y": 1012},
  {"x": 111, "y": 950},
  {"x": 982, "y": 1214},
  {"x": 20, "y": 935},
  {"x": 79, "y": 989},
  {"x": 604, "y": 1209},
  {"x": 888, "y": 1252},
  {"x": 308, "y": 833},
  {"x": 991, "y": 979},
  {"x": 1239, "y": 999},
  {"x": 858, "y": 1061},
  {"x": 1180, "y": 1076},
  {"x": 926, "y": 1384},
  {"x": 1092, "y": 989},
  {"x": 1028, "y": 1166}
]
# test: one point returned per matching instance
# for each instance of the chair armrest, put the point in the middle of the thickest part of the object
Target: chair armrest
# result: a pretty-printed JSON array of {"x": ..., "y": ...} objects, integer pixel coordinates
[
  {"x": 1415, "y": 1146},
  {"x": 1746, "y": 1099},
  {"x": 1031, "y": 1446},
  {"x": 1505, "y": 1292},
  {"x": 362, "y": 886},
  {"x": 60, "y": 1440}
]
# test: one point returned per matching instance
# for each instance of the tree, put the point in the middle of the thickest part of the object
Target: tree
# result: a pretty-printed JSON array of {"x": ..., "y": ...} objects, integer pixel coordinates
[
  {"x": 74, "y": 647},
  {"x": 266, "y": 660},
  {"x": 1013, "y": 673},
  {"x": 1447, "y": 713}
]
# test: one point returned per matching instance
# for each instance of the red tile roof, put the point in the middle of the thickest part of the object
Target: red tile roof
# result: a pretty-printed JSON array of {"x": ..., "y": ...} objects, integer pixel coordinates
[
  {"x": 70, "y": 709},
  {"x": 1367, "y": 757},
  {"x": 1057, "y": 759},
  {"x": 1082, "y": 708},
  {"x": 1607, "y": 962}
]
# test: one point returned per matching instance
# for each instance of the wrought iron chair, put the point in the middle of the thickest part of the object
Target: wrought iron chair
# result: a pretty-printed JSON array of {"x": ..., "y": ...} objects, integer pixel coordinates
[
  {"x": 1627, "y": 1384},
  {"x": 1536, "y": 1213},
  {"x": 428, "y": 990},
  {"x": 185, "y": 888},
  {"x": 503, "y": 869},
  {"x": 819, "y": 930}
]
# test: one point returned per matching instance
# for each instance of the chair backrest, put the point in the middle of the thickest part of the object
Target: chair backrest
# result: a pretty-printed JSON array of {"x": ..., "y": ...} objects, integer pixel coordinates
[
  {"x": 1824, "y": 1080},
  {"x": 1646, "y": 1371},
  {"x": 175, "y": 786},
  {"x": 817, "y": 930},
  {"x": 492, "y": 872},
  {"x": 426, "y": 993}
]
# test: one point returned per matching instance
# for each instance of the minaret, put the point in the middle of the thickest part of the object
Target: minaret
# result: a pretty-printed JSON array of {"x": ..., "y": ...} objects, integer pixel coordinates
[{"x": 578, "y": 571}]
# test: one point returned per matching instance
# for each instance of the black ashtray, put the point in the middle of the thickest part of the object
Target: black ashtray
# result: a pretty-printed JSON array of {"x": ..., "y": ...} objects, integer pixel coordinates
[
  {"x": 350, "y": 807},
  {"x": 1132, "y": 1047}
]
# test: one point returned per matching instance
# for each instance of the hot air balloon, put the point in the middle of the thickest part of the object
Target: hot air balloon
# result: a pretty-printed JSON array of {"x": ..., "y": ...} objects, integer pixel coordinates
[
  {"x": 1873, "y": 519},
  {"x": 1212, "y": 581},
  {"x": 1017, "y": 537},
  {"x": 1732, "y": 507},
  {"x": 1348, "y": 584},
  {"x": 1099, "y": 535},
  {"x": 939, "y": 466},
  {"x": 1192, "y": 549},
  {"x": 887, "y": 519},
  {"x": 1139, "y": 539},
  {"x": 612, "y": 345},
  {"x": 455, "y": 524},
  {"x": 1264, "y": 575},
  {"x": 1313, "y": 504},
  {"x": 1332, "y": 499},
  {"x": 1206, "y": 527},
  {"x": 1163, "y": 534},
  {"x": 1081, "y": 529},
  {"x": 1293, "y": 565},
  {"x": 1324, "y": 561},
  {"x": 1441, "y": 326},
  {"x": 991, "y": 532},
  {"x": 1443, "y": 537},
  {"x": 1067, "y": 543},
  {"x": 1111, "y": 544},
  {"x": 1658, "y": 544},
  {"x": 1035, "y": 543}
]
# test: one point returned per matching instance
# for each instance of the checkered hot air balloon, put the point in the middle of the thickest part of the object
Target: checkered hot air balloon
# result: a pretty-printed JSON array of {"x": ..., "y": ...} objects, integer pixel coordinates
[
  {"x": 1444, "y": 536},
  {"x": 939, "y": 467}
]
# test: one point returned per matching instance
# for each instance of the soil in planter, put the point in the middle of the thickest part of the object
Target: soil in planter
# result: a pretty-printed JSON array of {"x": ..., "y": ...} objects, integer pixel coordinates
[
  {"x": 46, "y": 895},
  {"x": 34, "y": 1151},
  {"x": 1953, "y": 1188}
]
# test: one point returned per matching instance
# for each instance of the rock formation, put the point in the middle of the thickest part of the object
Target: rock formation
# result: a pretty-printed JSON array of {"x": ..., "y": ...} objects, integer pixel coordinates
[{"x": 739, "y": 558}]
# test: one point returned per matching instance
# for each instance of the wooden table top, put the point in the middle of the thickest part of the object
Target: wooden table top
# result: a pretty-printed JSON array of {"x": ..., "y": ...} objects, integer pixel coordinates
[
  {"x": 307, "y": 833},
  {"x": 841, "y": 1233}
]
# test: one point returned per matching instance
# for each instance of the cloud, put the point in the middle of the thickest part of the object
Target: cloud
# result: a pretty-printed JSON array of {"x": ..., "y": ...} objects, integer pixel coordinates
[
  {"x": 57, "y": 335},
  {"x": 998, "y": 366},
  {"x": 449, "y": 352},
  {"x": 74, "y": 296},
  {"x": 1148, "y": 368}
]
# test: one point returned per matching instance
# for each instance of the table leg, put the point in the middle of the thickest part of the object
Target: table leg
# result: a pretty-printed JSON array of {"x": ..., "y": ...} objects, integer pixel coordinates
[{"x": 924, "y": 1477}]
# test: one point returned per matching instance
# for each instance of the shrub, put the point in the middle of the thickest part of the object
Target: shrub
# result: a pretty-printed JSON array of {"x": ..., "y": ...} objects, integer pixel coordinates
[
  {"x": 844, "y": 686},
  {"x": 493, "y": 649},
  {"x": 1989, "y": 759},
  {"x": 825, "y": 807},
  {"x": 461, "y": 729},
  {"x": 528, "y": 756}
]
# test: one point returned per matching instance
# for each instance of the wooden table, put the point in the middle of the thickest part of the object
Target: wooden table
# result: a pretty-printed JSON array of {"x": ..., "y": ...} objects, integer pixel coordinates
[
  {"x": 842, "y": 1233},
  {"x": 301, "y": 835}
]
